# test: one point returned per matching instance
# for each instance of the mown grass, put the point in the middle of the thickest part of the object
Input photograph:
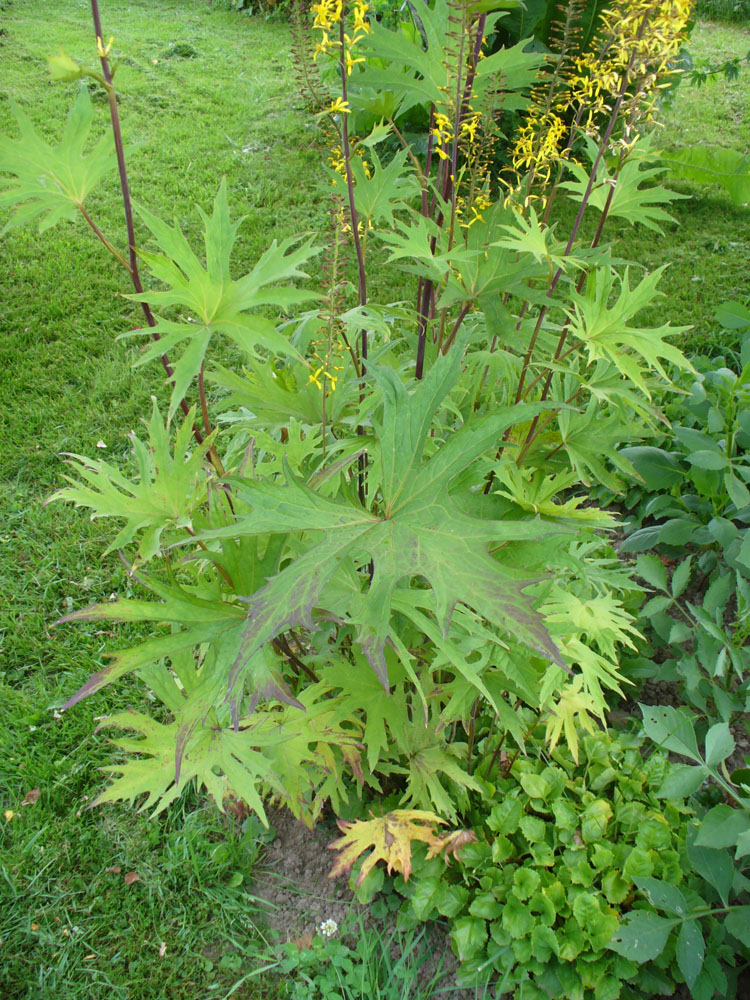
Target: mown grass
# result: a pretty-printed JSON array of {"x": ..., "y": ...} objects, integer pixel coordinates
[
  {"x": 225, "y": 107},
  {"x": 68, "y": 928}
]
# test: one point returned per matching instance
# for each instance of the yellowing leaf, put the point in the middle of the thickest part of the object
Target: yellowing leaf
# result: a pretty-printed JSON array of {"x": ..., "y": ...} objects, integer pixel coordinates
[
  {"x": 171, "y": 485},
  {"x": 390, "y": 838},
  {"x": 450, "y": 845},
  {"x": 574, "y": 707}
]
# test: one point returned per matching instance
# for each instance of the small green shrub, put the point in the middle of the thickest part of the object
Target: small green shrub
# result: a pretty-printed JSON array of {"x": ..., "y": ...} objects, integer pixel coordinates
[
  {"x": 360, "y": 963},
  {"x": 540, "y": 899},
  {"x": 723, "y": 10}
]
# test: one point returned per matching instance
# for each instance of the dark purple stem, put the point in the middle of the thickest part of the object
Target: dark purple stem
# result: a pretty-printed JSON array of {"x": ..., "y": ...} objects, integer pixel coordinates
[{"x": 126, "y": 200}]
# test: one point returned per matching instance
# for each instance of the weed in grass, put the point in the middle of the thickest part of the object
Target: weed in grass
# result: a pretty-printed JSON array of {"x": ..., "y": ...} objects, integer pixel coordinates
[{"x": 358, "y": 961}]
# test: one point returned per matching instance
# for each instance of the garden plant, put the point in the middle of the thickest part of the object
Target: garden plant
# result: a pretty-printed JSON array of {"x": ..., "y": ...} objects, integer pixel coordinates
[{"x": 369, "y": 552}]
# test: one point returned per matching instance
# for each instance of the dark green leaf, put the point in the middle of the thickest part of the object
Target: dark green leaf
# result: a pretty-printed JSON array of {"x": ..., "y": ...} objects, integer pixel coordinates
[
  {"x": 738, "y": 492},
  {"x": 518, "y": 919},
  {"x": 721, "y": 826},
  {"x": 652, "y": 570},
  {"x": 450, "y": 900},
  {"x": 691, "y": 950},
  {"x": 655, "y": 606},
  {"x": 642, "y": 540},
  {"x": 663, "y": 896},
  {"x": 468, "y": 936},
  {"x": 737, "y": 922},
  {"x": 718, "y": 594},
  {"x": 683, "y": 780},
  {"x": 716, "y": 867},
  {"x": 743, "y": 845},
  {"x": 659, "y": 469},
  {"x": 719, "y": 744},
  {"x": 709, "y": 459},
  {"x": 671, "y": 729},
  {"x": 641, "y": 936},
  {"x": 485, "y": 905},
  {"x": 677, "y": 531},
  {"x": 681, "y": 577}
]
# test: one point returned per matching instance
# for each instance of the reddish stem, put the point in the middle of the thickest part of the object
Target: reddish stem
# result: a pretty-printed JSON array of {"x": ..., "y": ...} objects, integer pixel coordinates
[{"x": 126, "y": 200}]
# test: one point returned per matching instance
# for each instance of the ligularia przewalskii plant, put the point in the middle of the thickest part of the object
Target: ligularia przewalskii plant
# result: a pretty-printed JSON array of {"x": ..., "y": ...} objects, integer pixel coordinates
[{"x": 376, "y": 548}]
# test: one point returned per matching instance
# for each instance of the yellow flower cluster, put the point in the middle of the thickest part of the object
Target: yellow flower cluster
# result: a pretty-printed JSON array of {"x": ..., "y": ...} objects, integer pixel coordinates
[
  {"x": 636, "y": 46},
  {"x": 640, "y": 41},
  {"x": 328, "y": 14},
  {"x": 338, "y": 107},
  {"x": 337, "y": 161},
  {"x": 442, "y": 132},
  {"x": 104, "y": 50},
  {"x": 325, "y": 374},
  {"x": 469, "y": 127},
  {"x": 650, "y": 32},
  {"x": 538, "y": 144},
  {"x": 480, "y": 204}
]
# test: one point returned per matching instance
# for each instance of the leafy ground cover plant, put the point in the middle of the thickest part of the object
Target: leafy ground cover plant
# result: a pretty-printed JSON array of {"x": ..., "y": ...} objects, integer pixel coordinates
[
  {"x": 692, "y": 542},
  {"x": 712, "y": 919},
  {"x": 546, "y": 903},
  {"x": 290, "y": 548}
]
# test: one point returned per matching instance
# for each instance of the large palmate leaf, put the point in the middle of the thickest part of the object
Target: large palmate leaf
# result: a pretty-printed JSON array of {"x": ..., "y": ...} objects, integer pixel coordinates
[
  {"x": 212, "y": 301},
  {"x": 224, "y": 762},
  {"x": 297, "y": 754},
  {"x": 378, "y": 190},
  {"x": 171, "y": 485},
  {"x": 390, "y": 838},
  {"x": 194, "y": 621},
  {"x": 412, "y": 64},
  {"x": 49, "y": 182},
  {"x": 417, "y": 531},
  {"x": 602, "y": 324},
  {"x": 634, "y": 194}
]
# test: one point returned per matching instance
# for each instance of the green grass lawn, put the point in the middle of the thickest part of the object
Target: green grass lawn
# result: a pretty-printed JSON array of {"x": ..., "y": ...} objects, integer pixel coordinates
[{"x": 225, "y": 106}]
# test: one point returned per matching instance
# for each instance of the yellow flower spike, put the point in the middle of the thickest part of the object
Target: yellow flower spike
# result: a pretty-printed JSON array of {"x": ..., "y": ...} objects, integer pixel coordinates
[
  {"x": 314, "y": 378},
  {"x": 102, "y": 49}
]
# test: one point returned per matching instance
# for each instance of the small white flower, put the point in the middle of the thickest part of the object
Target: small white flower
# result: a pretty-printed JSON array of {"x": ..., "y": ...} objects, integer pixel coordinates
[{"x": 328, "y": 928}]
